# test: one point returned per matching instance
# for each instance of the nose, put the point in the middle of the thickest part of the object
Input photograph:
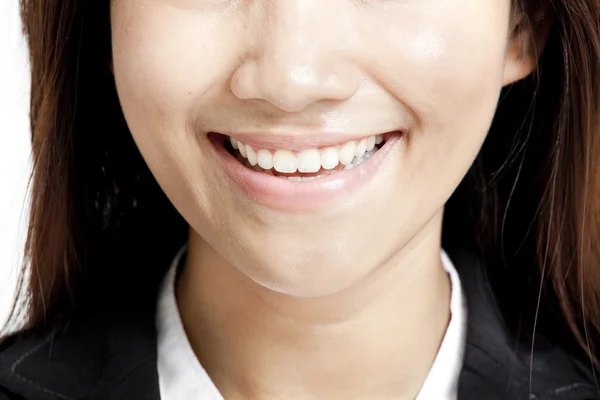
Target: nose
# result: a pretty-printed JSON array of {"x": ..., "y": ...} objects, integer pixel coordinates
[{"x": 299, "y": 55}]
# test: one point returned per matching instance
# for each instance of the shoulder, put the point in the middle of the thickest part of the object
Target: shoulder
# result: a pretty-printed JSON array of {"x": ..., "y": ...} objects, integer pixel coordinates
[
  {"x": 38, "y": 364},
  {"x": 94, "y": 357},
  {"x": 14, "y": 351},
  {"x": 6, "y": 395},
  {"x": 496, "y": 371},
  {"x": 499, "y": 367}
]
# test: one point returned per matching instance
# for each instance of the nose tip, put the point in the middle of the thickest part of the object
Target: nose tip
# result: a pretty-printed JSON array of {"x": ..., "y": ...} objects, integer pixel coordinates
[{"x": 293, "y": 86}]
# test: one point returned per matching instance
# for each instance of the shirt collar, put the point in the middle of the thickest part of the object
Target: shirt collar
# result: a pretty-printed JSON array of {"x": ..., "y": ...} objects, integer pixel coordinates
[
  {"x": 181, "y": 376},
  {"x": 442, "y": 379}
]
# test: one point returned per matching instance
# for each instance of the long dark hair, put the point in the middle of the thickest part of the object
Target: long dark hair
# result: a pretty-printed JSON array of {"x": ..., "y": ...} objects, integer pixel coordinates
[{"x": 101, "y": 232}]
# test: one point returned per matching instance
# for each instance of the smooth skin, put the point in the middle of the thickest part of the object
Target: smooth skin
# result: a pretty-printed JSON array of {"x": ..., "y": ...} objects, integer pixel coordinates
[{"x": 347, "y": 300}]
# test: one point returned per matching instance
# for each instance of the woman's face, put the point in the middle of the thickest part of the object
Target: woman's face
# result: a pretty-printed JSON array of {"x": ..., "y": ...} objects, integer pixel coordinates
[{"x": 297, "y": 80}]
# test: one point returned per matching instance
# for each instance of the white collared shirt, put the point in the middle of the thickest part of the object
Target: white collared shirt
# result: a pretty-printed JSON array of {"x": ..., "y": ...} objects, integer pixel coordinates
[{"x": 182, "y": 377}]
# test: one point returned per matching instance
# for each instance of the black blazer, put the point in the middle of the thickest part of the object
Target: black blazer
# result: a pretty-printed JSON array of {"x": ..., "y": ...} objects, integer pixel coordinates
[{"x": 113, "y": 356}]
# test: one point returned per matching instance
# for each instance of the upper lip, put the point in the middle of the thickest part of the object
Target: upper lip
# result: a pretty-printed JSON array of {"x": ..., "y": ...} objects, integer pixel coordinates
[{"x": 298, "y": 142}]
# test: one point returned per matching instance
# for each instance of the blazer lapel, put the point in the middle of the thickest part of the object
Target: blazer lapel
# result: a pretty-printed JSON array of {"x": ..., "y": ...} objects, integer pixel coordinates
[
  {"x": 91, "y": 358},
  {"x": 497, "y": 367}
]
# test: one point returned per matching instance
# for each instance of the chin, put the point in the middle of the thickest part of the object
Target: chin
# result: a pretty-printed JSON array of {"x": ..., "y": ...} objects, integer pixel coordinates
[{"x": 307, "y": 277}]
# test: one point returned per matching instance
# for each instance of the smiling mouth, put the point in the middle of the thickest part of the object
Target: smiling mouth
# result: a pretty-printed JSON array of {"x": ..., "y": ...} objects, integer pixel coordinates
[
  {"x": 297, "y": 176},
  {"x": 305, "y": 165}
]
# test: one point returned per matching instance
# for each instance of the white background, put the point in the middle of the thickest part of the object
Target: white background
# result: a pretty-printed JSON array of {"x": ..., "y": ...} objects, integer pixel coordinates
[{"x": 14, "y": 149}]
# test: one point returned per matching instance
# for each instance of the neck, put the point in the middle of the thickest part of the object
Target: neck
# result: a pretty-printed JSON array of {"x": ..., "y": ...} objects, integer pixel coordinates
[{"x": 377, "y": 339}]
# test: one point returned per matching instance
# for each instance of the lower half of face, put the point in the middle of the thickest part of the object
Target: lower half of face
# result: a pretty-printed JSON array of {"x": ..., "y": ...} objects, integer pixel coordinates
[{"x": 308, "y": 142}]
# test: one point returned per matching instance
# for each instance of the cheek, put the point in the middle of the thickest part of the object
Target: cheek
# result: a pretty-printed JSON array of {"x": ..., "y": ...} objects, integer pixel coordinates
[
  {"x": 166, "y": 57},
  {"x": 441, "y": 60},
  {"x": 446, "y": 66},
  {"x": 165, "y": 60}
]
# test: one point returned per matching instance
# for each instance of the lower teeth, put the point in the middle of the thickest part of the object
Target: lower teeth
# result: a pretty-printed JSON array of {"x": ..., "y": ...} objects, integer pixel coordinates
[{"x": 355, "y": 162}]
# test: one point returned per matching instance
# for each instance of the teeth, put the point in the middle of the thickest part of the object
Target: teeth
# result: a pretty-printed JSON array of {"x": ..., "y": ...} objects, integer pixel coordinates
[
  {"x": 358, "y": 161},
  {"x": 330, "y": 158},
  {"x": 285, "y": 161},
  {"x": 370, "y": 143},
  {"x": 303, "y": 178},
  {"x": 251, "y": 155},
  {"x": 347, "y": 152},
  {"x": 265, "y": 159},
  {"x": 361, "y": 147},
  {"x": 309, "y": 161},
  {"x": 353, "y": 164},
  {"x": 350, "y": 154}
]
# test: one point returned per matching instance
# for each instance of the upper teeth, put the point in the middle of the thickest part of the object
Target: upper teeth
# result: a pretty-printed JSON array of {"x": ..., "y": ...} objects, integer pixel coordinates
[{"x": 310, "y": 160}]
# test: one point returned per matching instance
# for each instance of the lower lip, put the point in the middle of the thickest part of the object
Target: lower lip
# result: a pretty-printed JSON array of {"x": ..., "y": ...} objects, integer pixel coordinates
[{"x": 281, "y": 194}]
